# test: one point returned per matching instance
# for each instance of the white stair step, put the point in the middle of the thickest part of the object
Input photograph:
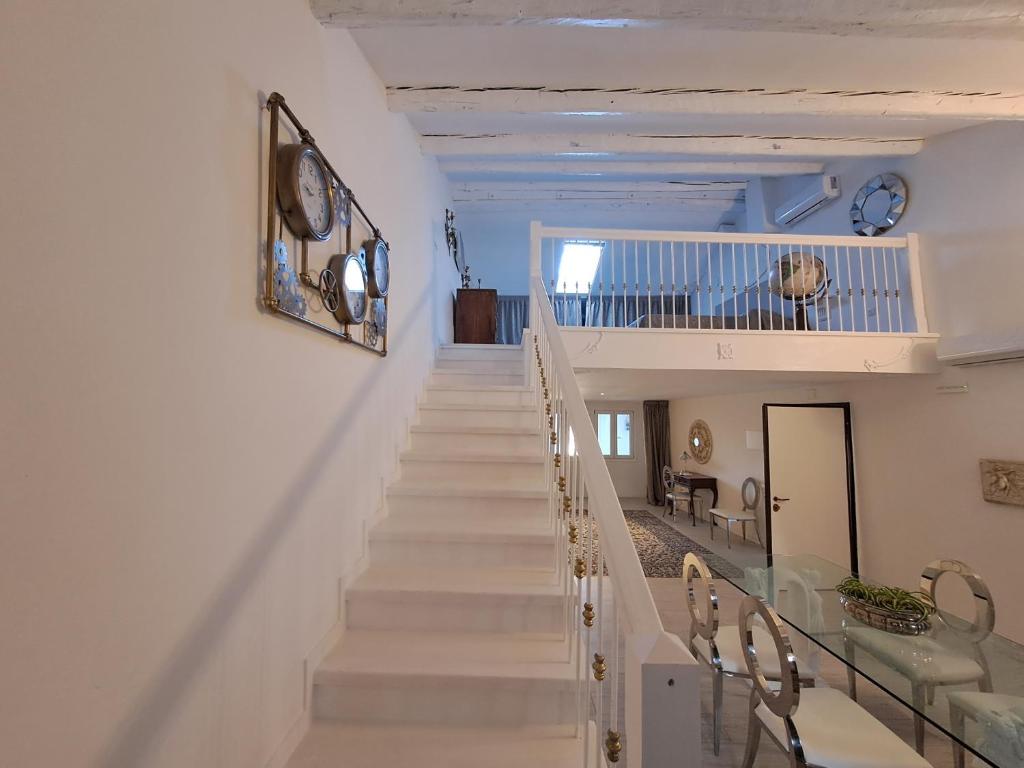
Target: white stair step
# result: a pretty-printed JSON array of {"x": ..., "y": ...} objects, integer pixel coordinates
[
  {"x": 469, "y": 394},
  {"x": 423, "y": 541},
  {"x": 483, "y": 364},
  {"x": 448, "y": 599},
  {"x": 447, "y": 678},
  {"x": 473, "y": 470},
  {"x": 505, "y": 352},
  {"x": 474, "y": 378},
  {"x": 464, "y": 506},
  {"x": 330, "y": 745},
  {"x": 441, "y": 414},
  {"x": 490, "y": 441}
]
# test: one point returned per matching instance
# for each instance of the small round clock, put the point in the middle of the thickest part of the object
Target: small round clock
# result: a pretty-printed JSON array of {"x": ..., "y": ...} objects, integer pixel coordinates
[
  {"x": 350, "y": 274},
  {"x": 375, "y": 251},
  {"x": 305, "y": 191}
]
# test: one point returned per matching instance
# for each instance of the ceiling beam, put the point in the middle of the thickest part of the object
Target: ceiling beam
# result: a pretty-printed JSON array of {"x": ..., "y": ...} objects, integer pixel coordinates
[
  {"x": 906, "y": 18},
  {"x": 584, "y": 144},
  {"x": 729, "y": 188},
  {"x": 729, "y": 169},
  {"x": 977, "y": 105}
]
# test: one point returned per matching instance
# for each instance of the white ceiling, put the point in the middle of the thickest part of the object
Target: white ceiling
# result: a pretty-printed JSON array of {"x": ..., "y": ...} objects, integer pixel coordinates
[{"x": 527, "y": 103}]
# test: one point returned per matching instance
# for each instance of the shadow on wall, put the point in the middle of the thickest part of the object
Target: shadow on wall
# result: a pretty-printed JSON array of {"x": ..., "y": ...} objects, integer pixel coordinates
[{"x": 137, "y": 735}]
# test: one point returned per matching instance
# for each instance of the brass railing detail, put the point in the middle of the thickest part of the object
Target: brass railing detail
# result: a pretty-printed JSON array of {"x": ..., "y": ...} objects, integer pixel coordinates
[
  {"x": 580, "y": 569},
  {"x": 573, "y": 534},
  {"x": 588, "y": 615},
  {"x": 600, "y": 667},
  {"x": 613, "y": 744}
]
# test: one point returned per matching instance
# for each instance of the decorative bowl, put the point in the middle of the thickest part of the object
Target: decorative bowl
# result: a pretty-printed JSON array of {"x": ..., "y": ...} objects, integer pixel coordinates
[{"x": 888, "y": 620}]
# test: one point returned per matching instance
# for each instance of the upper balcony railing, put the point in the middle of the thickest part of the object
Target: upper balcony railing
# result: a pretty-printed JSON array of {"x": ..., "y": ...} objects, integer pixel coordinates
[{"x": 742, "y": 282}]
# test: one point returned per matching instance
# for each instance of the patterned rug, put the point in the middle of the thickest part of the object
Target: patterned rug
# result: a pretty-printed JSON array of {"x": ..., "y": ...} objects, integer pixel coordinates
[{"x": 661, "y": 547}]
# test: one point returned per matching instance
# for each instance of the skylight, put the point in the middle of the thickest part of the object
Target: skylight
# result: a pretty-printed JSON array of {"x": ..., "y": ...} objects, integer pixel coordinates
[{"x": 578, "y": 266}]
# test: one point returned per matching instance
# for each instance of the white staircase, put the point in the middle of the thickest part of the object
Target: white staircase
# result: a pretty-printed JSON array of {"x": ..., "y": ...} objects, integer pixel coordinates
[{"x": 455, "y": 651}]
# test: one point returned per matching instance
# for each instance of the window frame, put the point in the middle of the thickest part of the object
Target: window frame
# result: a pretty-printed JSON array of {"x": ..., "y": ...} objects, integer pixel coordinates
[{"x": 614, "y": 413}]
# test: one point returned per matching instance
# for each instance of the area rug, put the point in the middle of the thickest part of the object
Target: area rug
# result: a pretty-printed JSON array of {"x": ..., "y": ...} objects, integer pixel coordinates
[{"x": 662, "y": 548}]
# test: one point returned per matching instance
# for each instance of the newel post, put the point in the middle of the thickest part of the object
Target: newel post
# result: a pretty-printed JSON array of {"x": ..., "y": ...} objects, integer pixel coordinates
[
  {"x": 916, "y": 283},
  {"x": 662, "y": 702}
]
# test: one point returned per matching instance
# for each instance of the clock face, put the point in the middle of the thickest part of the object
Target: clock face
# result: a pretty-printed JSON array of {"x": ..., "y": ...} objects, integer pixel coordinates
[
  {"x": 376, "y": 252},
  {"x": 314, "y": 193}
]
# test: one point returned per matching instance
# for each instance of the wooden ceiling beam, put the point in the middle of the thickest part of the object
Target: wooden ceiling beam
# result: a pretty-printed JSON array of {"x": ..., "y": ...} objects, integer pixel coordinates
[
  {"x": 907, "y": 18},
  {"x": 840, "y": 103},
  {"x": 609, "y": 169},
  {"x": 586, "y": 145}
]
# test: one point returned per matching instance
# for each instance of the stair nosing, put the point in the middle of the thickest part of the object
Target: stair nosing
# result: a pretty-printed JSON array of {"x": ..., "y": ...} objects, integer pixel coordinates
[
  {"x": 398, "y": 489},
  {"x": 470, "y": 458},
  {"x": 476, "y": 430},
  {"x": 528, "y": 408}
]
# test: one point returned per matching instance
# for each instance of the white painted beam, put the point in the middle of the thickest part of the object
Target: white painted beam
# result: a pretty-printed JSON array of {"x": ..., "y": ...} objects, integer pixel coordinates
[
  {"x": 628, "y": 143},
  {"x": 703, "y": 100},
  {"x": 907, "y": 18},
  {"x": 670, "y": 188},
  {"x": 729, "y": 169}
]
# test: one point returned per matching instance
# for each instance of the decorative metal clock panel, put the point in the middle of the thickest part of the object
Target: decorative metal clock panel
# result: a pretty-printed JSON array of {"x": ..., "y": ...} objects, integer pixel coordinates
[{"x": 306, "y": 195}]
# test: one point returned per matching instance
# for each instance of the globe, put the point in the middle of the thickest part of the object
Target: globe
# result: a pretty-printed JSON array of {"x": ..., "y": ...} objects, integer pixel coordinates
[{"x": 799, "y": 277}]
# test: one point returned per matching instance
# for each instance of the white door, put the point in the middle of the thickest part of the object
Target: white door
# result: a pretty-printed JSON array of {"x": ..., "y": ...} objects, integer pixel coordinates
[{"x": 809, "y": 487}]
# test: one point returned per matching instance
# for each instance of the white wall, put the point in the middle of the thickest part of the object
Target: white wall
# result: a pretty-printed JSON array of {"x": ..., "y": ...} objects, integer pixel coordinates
[
  {"x": 629, "y": 476},
  {"x": 917, "y": 450},
  {"x": 185, "y": 478},
  {"x": 966, "y": 198}
]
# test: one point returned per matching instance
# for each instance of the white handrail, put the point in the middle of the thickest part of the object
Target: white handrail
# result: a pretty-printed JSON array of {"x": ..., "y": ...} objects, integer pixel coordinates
[
  {"x": 632, "y": 594},
  {"x": 569, "y": 233}
]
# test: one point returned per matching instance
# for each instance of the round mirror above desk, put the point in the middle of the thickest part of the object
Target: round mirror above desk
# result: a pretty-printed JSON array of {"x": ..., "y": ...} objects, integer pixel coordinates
[{"x": 700, "y": 441}]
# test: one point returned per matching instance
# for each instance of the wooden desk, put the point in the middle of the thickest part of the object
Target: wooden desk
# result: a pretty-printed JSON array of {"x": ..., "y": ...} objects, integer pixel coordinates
[{"x": 694, "y": 481}]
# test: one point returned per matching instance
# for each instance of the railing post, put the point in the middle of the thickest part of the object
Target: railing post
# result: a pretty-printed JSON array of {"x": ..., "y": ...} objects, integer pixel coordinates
[
  {"x": 535, "y": 241},
  {"x": 916, "y": 283},
  {"x": 662, "y": 703}
]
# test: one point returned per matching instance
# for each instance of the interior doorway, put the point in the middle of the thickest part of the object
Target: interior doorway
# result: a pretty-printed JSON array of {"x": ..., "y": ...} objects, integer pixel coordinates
[{"x": 810, "y": 496}]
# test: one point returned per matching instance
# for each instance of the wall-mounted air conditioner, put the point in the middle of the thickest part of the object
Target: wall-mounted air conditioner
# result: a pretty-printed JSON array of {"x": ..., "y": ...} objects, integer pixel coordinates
[
  {"x": 976, "y": 349},
  {"x": 824, "y": 190}
]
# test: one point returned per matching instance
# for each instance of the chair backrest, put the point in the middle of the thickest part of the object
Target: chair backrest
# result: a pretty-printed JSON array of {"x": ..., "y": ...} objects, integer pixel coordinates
[
  {"x": 668, "y": 478},
  {"x": 984, "y": 608},
  {"x": 784, "y": 701},
  {"x": 750, "y": 493},
  {"x": 706, "y": 624}
]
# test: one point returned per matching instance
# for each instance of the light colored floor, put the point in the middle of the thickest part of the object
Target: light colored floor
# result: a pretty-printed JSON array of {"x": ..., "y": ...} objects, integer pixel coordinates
[{"x": 670, "y": 597}]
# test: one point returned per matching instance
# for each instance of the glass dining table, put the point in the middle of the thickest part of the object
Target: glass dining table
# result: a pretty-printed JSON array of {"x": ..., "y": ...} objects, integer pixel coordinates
[{"x": 970, "y": 689}]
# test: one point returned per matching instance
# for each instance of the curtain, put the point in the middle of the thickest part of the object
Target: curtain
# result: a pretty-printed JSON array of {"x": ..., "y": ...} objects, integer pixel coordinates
[
  {"x": 658, "y": 449},
  {"x": 513, "y": 317}
]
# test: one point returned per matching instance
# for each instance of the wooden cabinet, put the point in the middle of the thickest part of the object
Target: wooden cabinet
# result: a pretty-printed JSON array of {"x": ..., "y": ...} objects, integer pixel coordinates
[{"x": 476, "y": 316}]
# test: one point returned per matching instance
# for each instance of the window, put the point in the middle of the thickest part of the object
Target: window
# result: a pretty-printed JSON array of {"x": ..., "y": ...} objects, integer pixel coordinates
[
  {"x": 615, "y": 434},
  {"x": 577, "y": 267}
]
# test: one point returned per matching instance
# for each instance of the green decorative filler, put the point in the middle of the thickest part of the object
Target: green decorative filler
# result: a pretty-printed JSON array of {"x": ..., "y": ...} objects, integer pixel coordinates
[{"x": 888, "y": 608}]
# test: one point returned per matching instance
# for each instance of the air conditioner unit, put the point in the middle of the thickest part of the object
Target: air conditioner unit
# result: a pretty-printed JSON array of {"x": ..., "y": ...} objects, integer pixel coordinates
[
  {"x": 977, "y": 349},
  {"x": 824, "y": 190}
]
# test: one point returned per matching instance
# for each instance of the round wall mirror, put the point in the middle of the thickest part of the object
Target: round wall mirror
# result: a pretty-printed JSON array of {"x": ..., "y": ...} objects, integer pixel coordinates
[
  {"x": 700, "y": 441},
  {"x": 878, "y": 205}
]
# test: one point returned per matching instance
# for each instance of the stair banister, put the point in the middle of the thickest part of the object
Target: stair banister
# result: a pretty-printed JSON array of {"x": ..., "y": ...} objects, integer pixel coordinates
[{"x": 661, "y": 701}]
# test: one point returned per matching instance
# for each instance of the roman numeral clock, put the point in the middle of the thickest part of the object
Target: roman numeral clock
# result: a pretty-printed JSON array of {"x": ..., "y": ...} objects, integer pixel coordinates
[{"x": 307, "y": 196}]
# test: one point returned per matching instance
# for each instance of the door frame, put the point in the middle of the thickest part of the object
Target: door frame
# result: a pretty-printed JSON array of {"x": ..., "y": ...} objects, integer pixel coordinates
[{"x": 851, "y": 486}]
